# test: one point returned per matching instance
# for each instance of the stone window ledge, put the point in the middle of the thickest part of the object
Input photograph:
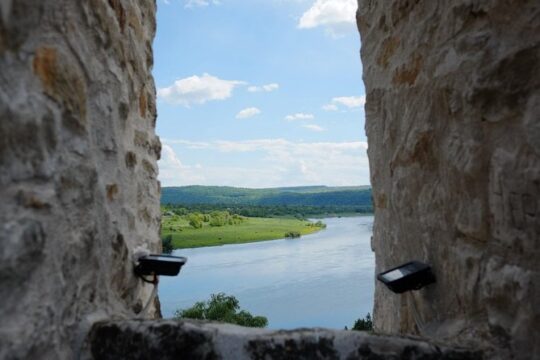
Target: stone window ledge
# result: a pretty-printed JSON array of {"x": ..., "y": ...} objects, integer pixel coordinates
[{"x": 190, "y": 339}]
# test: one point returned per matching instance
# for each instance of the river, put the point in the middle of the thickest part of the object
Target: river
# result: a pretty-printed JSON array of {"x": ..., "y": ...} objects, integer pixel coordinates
[{"x": 324, "y": 279}]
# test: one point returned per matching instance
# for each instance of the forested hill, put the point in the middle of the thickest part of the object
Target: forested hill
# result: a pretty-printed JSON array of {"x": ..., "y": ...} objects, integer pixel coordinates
[{"x": 303, "y": 196}]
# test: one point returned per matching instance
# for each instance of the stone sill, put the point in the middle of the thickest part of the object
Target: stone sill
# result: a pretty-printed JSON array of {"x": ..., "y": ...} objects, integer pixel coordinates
[{"x": 190, "y": 339}]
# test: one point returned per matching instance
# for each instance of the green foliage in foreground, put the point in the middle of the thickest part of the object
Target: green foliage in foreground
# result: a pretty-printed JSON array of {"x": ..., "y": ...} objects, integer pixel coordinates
[
  {"x": 224, "y": 308},
  {"x": 365, "y": 324}
]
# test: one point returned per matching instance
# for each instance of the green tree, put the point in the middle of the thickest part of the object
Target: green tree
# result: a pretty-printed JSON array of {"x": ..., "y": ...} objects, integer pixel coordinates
[
  {"x": 166, "y": 243},
  {"x": 224, "y": 308},
  {"x": 365, "y": 324},
  {"x": 320, "y": 224},
  {"x": 219, "y": 218},
  {"x": 180, "y": 211},
  {"x": 293, "y": 234},
  {"x": 195, "y": 220}
]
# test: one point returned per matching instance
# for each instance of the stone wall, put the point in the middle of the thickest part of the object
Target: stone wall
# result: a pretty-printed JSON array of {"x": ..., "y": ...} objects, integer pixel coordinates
[
  {"x": 453, "y": 126},
  {"x": 78, "y": 168},
  {"x": 203, "y": 340}
]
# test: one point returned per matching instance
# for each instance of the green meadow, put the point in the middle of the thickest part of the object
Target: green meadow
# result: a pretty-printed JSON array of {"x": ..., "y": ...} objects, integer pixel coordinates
[{"x": 241, "y": 230}]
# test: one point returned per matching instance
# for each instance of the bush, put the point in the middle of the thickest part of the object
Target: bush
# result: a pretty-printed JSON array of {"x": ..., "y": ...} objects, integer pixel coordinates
[
  {"x": 166, "y": 244},
  {"x": 180, "y": 211},
  {"x": 320, "y": 224},
  {"x": 293, "y": 234},
  {"x": 219, "y": 218},
  {"x": 195, "y": 221},
  {"x": 224, "y": 308},
  {"x": 365, "y": 324}
]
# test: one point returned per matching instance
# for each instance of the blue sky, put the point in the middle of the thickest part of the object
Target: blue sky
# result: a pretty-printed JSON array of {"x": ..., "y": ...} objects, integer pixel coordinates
[{"x": 259, "y": 93}]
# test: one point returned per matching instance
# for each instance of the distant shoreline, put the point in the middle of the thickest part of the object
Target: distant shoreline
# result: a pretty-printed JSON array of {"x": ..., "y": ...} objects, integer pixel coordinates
[
  {"x": 340, "y": 215},
  {"x": 301, "y": 199}
]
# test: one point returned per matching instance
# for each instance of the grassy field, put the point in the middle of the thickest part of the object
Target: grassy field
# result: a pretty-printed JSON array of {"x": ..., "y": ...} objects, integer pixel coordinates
[{"x": 250, "y": 230}]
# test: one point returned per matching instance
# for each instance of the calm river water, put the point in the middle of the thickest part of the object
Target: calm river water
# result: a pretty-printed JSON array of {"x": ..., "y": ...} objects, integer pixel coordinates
[{"x": 324, "y": 279}]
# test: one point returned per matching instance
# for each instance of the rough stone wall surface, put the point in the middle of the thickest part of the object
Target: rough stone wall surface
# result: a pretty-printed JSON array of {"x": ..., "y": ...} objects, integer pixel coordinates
[
  {"x": 78, "y": 165},
  {"x": 202, "y": 340},
  {"x": 453, "y": 126}
]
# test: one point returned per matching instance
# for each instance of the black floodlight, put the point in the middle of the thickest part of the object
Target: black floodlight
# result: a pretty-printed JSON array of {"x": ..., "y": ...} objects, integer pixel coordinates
[
  {"x": 159, "y": 265},
  {"x": 413, "y": 275}
]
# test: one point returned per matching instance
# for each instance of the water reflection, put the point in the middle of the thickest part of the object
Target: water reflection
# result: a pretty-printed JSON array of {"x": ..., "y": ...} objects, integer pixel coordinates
[{"x": 325, "y": 279}]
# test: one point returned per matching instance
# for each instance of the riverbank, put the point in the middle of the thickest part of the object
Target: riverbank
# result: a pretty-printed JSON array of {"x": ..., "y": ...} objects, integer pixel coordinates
[
  {"x": 247, "y": 231},
  {"x": 340, "y": 215}
]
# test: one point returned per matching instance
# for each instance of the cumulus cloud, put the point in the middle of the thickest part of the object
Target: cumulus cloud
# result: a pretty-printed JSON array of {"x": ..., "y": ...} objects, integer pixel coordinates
[
  {"x": 171, "y": 169},
  {"x": 350, "y": 101},
  {"x": 273, "y": 162},
  {"x": 313, "y": 127},
  {"x": 200, "y": 3},
  {"x": 198, "y": 90},
  {"x": 334, "y": 15},
  {"x": 247, "y": 113},
  {"x": 265, "y": 88},
  {"x": 299, "y": 116},
  {"x": 330, "y": 107},
  {"x": 345, "y": 101}
]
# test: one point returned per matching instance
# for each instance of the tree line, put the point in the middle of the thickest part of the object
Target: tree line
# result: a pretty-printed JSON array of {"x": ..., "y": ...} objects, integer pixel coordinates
[
  {"x": 304, "y": 195},
  {"x": 298, "y": 211},
  {"x": 226, "y": 308}
]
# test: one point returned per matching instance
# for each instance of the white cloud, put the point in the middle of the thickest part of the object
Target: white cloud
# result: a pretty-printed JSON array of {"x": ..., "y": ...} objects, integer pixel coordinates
[
  {"x": 330, "y": 107},
  {"x": 334, "y": 15},
  {"x": 278, "y": 144},
  {"x": 171, "y": 169},
  {"x": 196, "y": 145},
  {"x": 299, "y": 116},
  {"x": 272, "y": 162},
  {"x": 247, "y": 113},
  {"x": 350, "y": 101},
  {"x": 266, "y": 88},
  {"x": 314, "y": 127},
  {"x": 200, "y": 3},
  {"x": 346, "y": 101},
  {"x": 198, "y": 90}
]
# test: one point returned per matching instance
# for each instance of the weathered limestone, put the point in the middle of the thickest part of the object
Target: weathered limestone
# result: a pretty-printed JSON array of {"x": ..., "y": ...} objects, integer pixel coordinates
[
  {"x": 453, "y": 125},
  {"x": 78, "y": 168},
  {"x": 203, "y": 340}
]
